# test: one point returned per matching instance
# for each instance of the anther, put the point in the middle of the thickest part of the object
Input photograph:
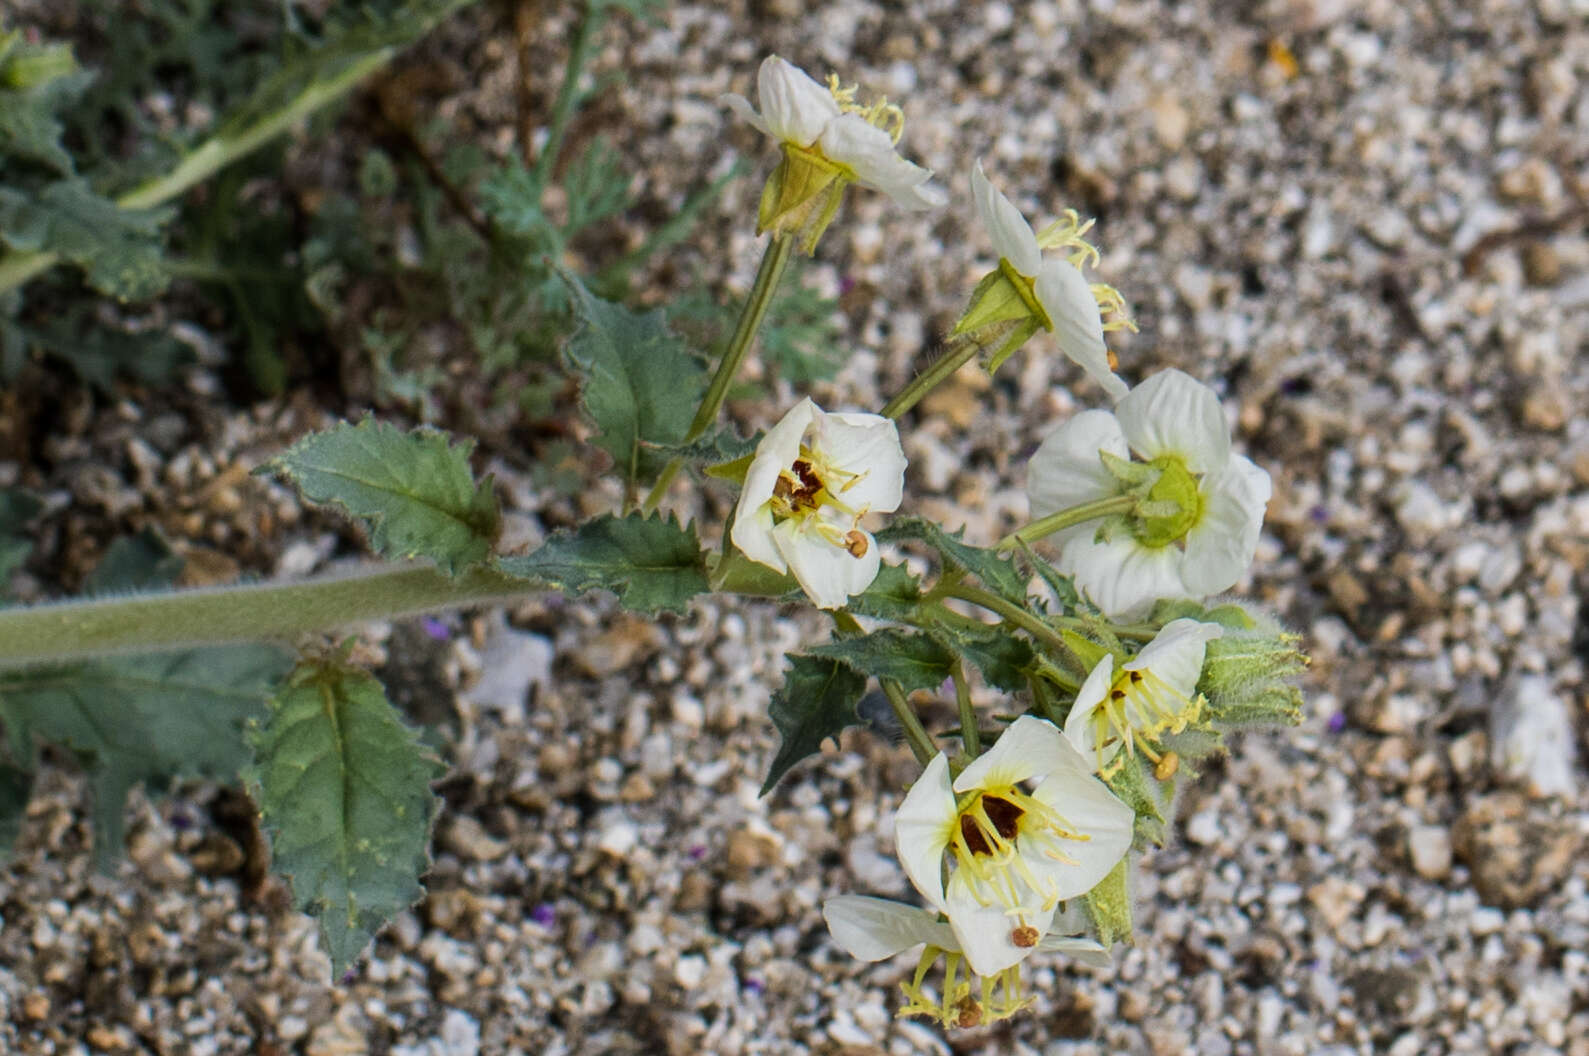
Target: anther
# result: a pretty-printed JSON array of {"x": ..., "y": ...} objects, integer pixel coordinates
[
  {"x": 969, "y": 1013},
  {"x": 855, "y": 542},
  {"x": 1024, "y": 936},
  {"x": 1167, "y": 766}
]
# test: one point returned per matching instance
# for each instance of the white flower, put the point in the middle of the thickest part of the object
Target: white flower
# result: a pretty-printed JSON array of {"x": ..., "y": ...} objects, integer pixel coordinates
[
  {"x": 815, "y": 475},
  {"x": 799, "y": 112},
  {"x": 1155, "y": 693},
  {"x": 1218, "y": 498},
  {"x": 1016, "y": 854},
  {"x": 1067, "y": 299},
  {"x": 872, "y": 929}
]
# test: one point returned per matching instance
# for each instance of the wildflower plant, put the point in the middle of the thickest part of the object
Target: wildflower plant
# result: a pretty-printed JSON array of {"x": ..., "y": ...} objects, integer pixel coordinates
[{"x": 1109, "y": 663}]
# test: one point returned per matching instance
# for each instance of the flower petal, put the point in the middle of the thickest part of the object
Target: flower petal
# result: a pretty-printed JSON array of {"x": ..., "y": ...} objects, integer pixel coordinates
[
  {"x": 1121, "y": 576},
  {"x": 923, "y": 827},
  {"x": 752, "y": 529},
  {"x": 741, "y": 106},
  {"x": 1221, "y": 544},
  {"x": 795, "y": 107},
  {"x": 867, "y": 151},
  {"x": 1078, "y": 324},
  {"x": 985, "y": 932},
  {"x": 1084, "y": 951},
  {"x": 872, "y": 929},
  {"x": 1085, "y": 802},
  {"x": 1027, "y": 749},
  {"x": 1173, "y": 414},
  {"x": 1008, "y": 230},
  {"x": 1176, "y": 653},
  {"x": 1079, "y": 730},
  {"x": 867, "y": 444},
  {"x": 1065, "y": 470},
  {"x": 828, "y": 573}
]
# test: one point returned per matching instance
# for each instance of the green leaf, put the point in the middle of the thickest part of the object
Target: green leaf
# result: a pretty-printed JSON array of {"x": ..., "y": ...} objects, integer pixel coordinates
[
  {"x": 16, "y": 786},
  {"x": 1063, "y": 586},
  {"x": 651, "y": 563},
  {"x": 142, "y": 719},
  {"x": 19, "y": 508},
  {"x": 1003, "y": 658},
  {"x": 817, "y": 701},
  {"x": 134, "y": 562},
  {"x": 893, "y": 595},
  {"x": 995, "y": 572},
  {"x": 118, "y": 249},
  {"x": 36, "y": 82},
  {"x": 642, "y": 384},
  {"x": 716, "y": 448},
  {"x": 597, "y": 186},
  {"x": 413, "y": 491},
  {"x": 915, "y": 661},
  {"x": 344, "y": 789}
]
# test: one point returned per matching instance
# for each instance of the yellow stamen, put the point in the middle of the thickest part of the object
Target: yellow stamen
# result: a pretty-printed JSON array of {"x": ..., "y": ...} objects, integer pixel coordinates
[{"x": 881, "y": 114}]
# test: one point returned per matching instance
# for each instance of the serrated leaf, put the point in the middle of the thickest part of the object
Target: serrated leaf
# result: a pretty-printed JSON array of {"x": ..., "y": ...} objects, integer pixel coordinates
[
  {"x": 413, "y": 491},
  {"x": 1063, "y": 586},
  {"x": 915, "y": 661},
  {"x": 995, "y": 572},
  {"x": 716, "y": 448},
  {"x": 142, "y": 719},
  {"x": 1004, "y": 659},
  {"x": 344, "y": 789},
  {"x": 651, "y": 563},
  {"x": 893, "y": 595},
  {"x": 641, "y": 384},
  {"x": 118, "y": 249},
  {"x": 817, "y": 701}
]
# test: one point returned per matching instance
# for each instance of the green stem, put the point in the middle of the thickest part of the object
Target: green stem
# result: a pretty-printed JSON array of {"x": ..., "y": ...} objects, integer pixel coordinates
[
  {"x": 567, "y": 93},
  {"x": 55, "y": 632},
  {"x": 1067, "y": 517},
  {"x": 773, "y": 262},
  {"x": 209, "y": 157},
  {"x": 1010, "y": 611},
  {"x": 970, "y": 735},
  {"x": 915, "y": 732},
  {"x": 959, "y": 353},
  {"x": 1137, "y": 632}
]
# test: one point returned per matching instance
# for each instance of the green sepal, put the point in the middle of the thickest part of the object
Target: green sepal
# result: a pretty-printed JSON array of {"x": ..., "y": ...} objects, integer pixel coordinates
[
  {"x": 1109, "y": 905},
  {"x": 734, "y": 573},
  {"x": 732, "y": 471},
  {"x": 802, "y": 196},
  {"x": 1086, "y": 651}
]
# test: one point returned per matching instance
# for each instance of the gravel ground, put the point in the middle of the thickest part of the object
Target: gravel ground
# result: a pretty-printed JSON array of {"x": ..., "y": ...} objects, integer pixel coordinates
[{"x": 1365, "y": 223}]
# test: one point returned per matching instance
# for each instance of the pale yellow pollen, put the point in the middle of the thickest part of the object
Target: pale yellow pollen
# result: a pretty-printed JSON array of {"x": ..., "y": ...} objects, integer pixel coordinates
[{"x": 881, "y": 114}]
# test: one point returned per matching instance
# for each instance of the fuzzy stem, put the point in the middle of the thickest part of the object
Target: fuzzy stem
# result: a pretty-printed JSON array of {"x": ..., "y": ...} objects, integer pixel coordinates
[
  {"x": 773, "y": 262},
  {"x": 920, "y": 740},
  {"x": 61, "y": 631},
  {"x": 1011, "y": 612},
  {"x": 970, "y": 735},
  {"x": 1067, "y": 517},
  {"x": 959, "y": 353}
]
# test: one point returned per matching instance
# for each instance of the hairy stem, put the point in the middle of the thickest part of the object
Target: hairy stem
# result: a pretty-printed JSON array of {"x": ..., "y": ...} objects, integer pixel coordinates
[
  {"x": 957, "y": 355},
  {"x": 773, "y": 262},
  {"x": 81, "y": 629},
  {"x": 970, "y": 735},
  {"x": 1071, "y": 515},
  {"x": 920, "y": 740}
]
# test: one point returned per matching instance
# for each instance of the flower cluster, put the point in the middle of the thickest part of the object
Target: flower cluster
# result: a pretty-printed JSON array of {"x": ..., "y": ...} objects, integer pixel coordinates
[{"x": 1024, "y": 847}]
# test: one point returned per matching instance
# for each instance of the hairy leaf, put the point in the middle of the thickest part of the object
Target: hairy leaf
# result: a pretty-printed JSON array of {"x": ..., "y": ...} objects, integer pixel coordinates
[
  {"x": 642, "y": 384},
  {"x": 118, "y": 249},
  {"x": 1063, "y": 586},
  {"x": 995, "y": 572},
  {"x": 651, "y": 563},
  {"x": 413, "y": 491},
  {"x": 1003, "y": 658},
  {"x": 893, "y": 595},
  {"x": 142, "y": 719},
  {"x": 817, "y": 701},
  {"x": 36, "y": 82},
  {"x": 344, "y": 788},
  {"x": 915, "y": 661}
]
